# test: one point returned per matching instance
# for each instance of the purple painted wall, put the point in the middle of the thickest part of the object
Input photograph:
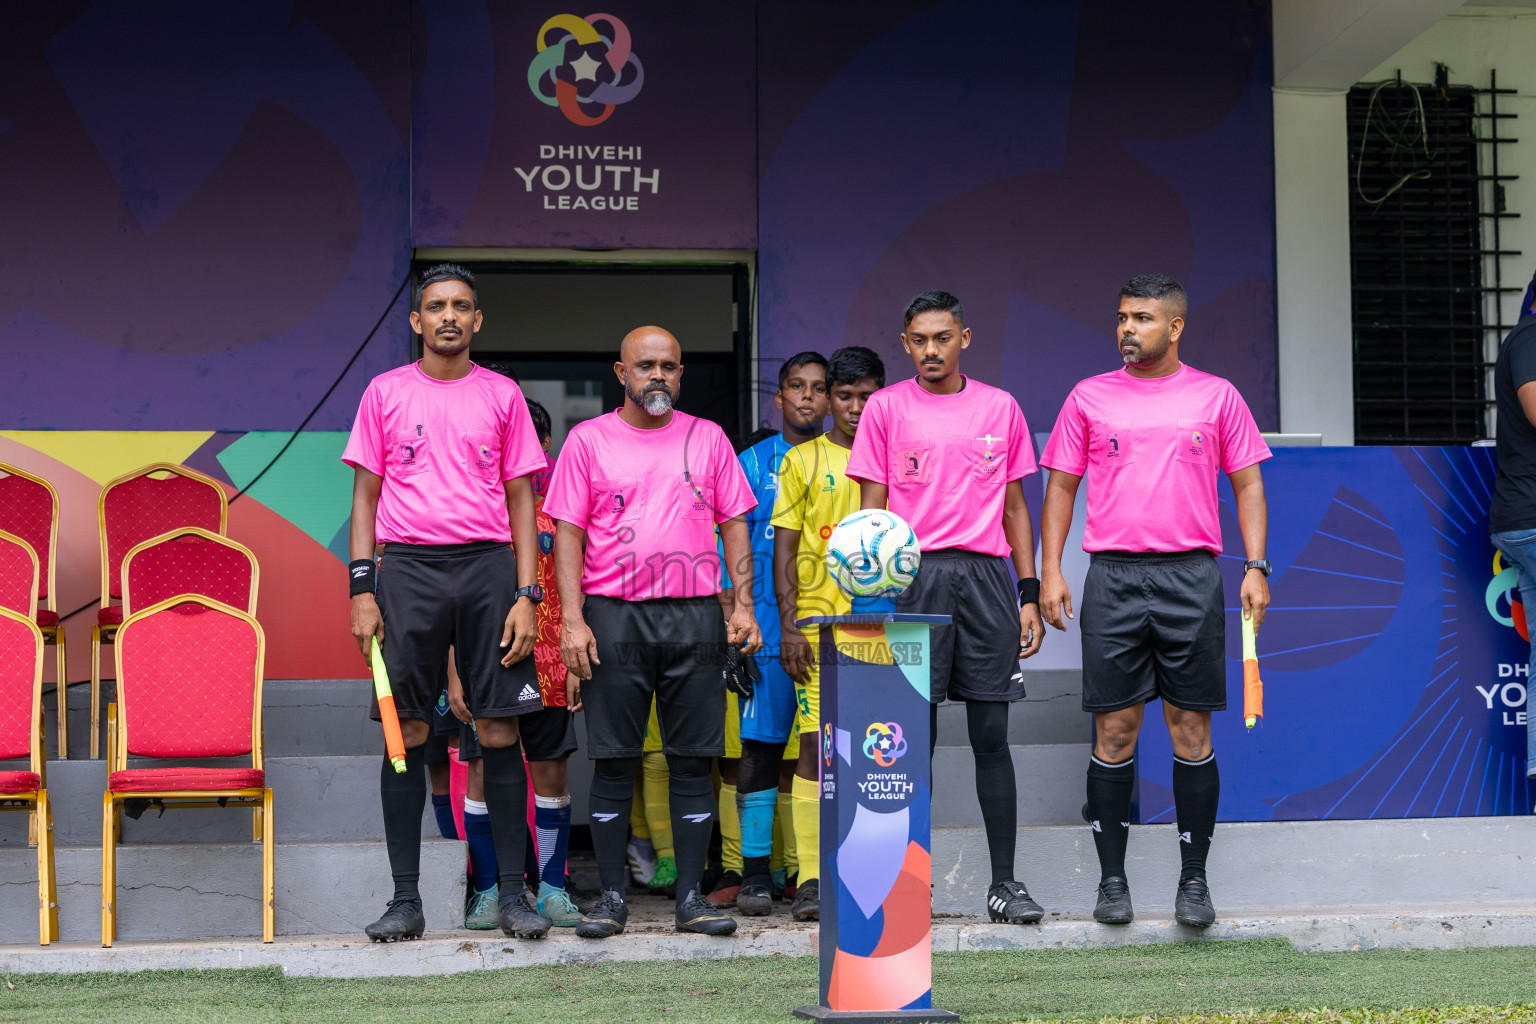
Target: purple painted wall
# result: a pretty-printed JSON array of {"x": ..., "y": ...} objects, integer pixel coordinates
[{"x": 207, "y": 206}]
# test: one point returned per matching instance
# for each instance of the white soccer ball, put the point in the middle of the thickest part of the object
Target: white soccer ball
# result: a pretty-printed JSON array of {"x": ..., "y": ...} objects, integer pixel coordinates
[{"x": 873, "y": 553}]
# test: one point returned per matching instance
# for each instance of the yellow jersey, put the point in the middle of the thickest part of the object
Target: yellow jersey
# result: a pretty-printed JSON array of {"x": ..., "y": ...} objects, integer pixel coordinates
[{"x": 815, "y": 493}]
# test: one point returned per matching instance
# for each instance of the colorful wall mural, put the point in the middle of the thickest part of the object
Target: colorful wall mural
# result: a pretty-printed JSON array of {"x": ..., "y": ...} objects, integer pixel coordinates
[{"x": 191, "y": 250}]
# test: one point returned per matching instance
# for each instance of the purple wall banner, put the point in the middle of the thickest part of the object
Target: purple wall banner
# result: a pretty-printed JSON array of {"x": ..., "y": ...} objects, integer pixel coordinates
[{"x": 540, "y": 124}]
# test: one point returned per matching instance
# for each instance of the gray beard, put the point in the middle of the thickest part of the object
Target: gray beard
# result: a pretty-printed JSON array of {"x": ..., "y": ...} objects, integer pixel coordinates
[{"x": 655, "y": 403}]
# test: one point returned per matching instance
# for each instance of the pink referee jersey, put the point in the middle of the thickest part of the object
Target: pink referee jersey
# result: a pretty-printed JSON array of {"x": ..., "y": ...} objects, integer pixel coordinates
[
  {"x": 1151, "y": 448},
  {"x": 650, "y": 501},
  {"x": 945, "y": 459},
  {"x": 444, "y": 449}
]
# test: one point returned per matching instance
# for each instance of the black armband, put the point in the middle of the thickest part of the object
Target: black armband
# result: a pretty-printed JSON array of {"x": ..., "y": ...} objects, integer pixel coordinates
[
  {"x": 362, "y": 576},
  {"x": 1029, "y": 591}
]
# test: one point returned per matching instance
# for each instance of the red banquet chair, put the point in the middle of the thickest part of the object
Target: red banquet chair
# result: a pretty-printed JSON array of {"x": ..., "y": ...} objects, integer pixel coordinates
[
  {"x": 21, "y": 735},
  {"x": 190, "y": 560},
  {"x": 29, "y": 508},
  {"x": 189, "y": 675},
  {"x": 132, "y": 509}
]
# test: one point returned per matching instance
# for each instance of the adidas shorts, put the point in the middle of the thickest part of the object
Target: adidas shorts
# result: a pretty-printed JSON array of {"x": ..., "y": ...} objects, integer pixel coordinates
[
  {"x": 976, "y": 657},
  {"x": 1154, "y": 625},
  {"x": 672, "y": 648},
  {"x": 436, "y": 596}
]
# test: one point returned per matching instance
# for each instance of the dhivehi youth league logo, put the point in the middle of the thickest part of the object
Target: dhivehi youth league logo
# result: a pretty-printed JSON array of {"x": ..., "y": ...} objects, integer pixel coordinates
[
  {"x": 883, "y": 743},
  {"x": 583, "y": 70}
]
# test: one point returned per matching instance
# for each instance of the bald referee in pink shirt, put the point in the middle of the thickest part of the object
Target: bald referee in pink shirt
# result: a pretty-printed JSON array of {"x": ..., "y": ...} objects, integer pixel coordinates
[
  {"x": 1151, "y": 438},
  {"x": 636, "y": 497}
]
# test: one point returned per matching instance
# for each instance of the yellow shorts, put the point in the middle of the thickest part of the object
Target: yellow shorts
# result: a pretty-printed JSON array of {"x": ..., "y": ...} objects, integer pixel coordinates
[{"x": 808, "y": 694}]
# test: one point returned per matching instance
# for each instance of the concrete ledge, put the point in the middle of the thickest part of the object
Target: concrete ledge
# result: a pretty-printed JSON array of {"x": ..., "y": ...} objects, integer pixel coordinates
[
  {"x": 1296, "y": 864},
  {"x": 182, "y": 891},
  {"x": 346, "y": 956}
]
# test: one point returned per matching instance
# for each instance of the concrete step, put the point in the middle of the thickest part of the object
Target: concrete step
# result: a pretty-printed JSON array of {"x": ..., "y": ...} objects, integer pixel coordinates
[
  {"x": 186, "y": 890},
  {"x": 1296, "y": 864},
  {"x": 1049, "y": 780},
  {"x": 438, "y": 953},
  {"x": 313, "y": 798}
]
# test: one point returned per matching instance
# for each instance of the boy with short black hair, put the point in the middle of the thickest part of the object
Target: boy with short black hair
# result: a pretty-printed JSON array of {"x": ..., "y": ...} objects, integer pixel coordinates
[{"x": 815, "y": 493}]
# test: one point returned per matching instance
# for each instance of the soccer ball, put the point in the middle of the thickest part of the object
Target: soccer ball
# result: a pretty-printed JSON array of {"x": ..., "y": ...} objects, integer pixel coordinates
[{"x": 873, "y": 553}]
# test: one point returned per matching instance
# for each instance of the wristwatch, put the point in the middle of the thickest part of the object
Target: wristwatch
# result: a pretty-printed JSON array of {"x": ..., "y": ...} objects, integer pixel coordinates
[
  {"x": 534, "y": 593},
  {"x": 1261, "y": 564}
]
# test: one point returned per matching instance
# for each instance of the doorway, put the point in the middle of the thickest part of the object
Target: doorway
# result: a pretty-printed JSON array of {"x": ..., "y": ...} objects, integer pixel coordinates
[{"x": 557, "y": 326}]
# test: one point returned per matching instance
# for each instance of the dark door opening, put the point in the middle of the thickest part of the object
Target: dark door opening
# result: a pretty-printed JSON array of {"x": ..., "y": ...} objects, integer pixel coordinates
[{"x": 557, "y": 327}]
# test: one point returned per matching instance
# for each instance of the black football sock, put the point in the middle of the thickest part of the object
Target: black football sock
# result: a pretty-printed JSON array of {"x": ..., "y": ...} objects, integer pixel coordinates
[
  {"x": 404, "y": 798},
  {"x": 1196, "y": 791},
  {"x": 506, "y": 801},
  {"x": 933, "y": 731},
  {"x": 611, "y": 798},
  {"x": 987, "y": 723},
  {"x": 692, "y": 799},
  {"x": 1109, "y": 811}
]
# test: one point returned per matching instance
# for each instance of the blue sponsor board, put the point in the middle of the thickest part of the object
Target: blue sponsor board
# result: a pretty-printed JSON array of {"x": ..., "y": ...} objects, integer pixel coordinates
[{"x": 1393, "y": 663}]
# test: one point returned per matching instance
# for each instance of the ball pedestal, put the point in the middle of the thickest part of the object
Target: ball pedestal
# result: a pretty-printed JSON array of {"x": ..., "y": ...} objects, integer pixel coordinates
[{"x": 876, "y": 902}]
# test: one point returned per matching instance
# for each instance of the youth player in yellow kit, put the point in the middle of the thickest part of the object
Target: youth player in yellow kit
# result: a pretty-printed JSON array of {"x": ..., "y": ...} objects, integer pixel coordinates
[{"x": 815, "y": 493}]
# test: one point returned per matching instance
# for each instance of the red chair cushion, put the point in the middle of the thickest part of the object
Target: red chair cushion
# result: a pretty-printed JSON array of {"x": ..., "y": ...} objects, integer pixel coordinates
[
  {"x": 110, "y": 616},
  {"x": 143, "y": 507},
  {"x": 19, "y": 782},
  {"x": 26, "y": 509},
  {"x": 138, "y": 780},
  {"x": 47, "y": 618}
]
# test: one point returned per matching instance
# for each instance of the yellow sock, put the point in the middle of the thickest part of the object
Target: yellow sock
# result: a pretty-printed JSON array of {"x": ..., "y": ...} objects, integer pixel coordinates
[
  {"x": 730, "y": 829},
  {"x": 807, "y": 814},
  {"x": 657, "y": 811},
  {"x": 784, "y": 812},
  {"x": 637, "y": 822},
  {"x": 776, "y": 852}
]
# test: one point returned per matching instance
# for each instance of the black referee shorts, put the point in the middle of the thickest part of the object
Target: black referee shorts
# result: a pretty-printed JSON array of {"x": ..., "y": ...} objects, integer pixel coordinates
[
  {"x": 1154, "y": 625},
  {"x": 976, "y": 658},
  {"x": 436, "y": 596},
  {"x": 673, "y": 648}
]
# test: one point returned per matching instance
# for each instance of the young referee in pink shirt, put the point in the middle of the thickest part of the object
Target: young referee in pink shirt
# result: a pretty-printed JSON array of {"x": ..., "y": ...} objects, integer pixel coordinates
[
  {"x": 442, "y": 452},
  {"x": 949, "y": 454},
  {"x": 1151, "y": 438},
  {"x": 636, "y": 496}
]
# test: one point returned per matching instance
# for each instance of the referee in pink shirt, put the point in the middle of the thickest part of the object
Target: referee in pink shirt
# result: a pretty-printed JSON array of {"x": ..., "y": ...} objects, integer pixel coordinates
[
  {"x": 949, "y": 454},
  {"x": 1151, "y": 438},
  {"x": 636, "y": 497},
  {"x": 442, "y": 453}
]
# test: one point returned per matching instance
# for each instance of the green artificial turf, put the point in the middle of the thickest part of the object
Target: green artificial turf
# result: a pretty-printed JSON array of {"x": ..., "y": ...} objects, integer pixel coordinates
[{"x": 1246, "y": 981}]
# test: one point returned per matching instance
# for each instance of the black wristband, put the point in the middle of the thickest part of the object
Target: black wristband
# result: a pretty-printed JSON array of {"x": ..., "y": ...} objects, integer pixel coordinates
[
  {"x": 362, "y": 576},
  {"x": 1029, "y": 591}
]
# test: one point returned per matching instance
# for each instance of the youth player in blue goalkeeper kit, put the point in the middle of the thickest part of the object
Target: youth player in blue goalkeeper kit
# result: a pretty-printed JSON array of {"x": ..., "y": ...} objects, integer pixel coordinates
[{"x": 768, "y": 719}]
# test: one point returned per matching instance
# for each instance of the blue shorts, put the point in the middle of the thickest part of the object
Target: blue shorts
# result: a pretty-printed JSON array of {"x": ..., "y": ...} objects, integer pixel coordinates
[{"x": 770, "y": 715}]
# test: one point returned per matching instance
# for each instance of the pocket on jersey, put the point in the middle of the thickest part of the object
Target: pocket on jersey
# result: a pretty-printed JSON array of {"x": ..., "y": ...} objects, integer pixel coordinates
[
  {"x": 482, "y": 454},
  {"x": 409, "y": 454},
  {"x": 909, "y": 462},
  {"x": 1111, "y": 444},
  {"x": 989, "y": 459},
  {"x": 698, "y": 500},
  {"x": 616, "y": 500},
  {"x": 1196, "y": 443}
]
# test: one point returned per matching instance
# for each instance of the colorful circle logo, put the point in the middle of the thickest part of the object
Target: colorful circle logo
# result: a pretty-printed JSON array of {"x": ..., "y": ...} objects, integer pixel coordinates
[
  {"x": 1197, "y": 437},
  {"x": 826, "y": 744},
  {"x": 883, "y": 743},
  {"x": 485, "y": 453},
  {"x": 585, "y": 72},
  {"x": 1505, "y": 587}
]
